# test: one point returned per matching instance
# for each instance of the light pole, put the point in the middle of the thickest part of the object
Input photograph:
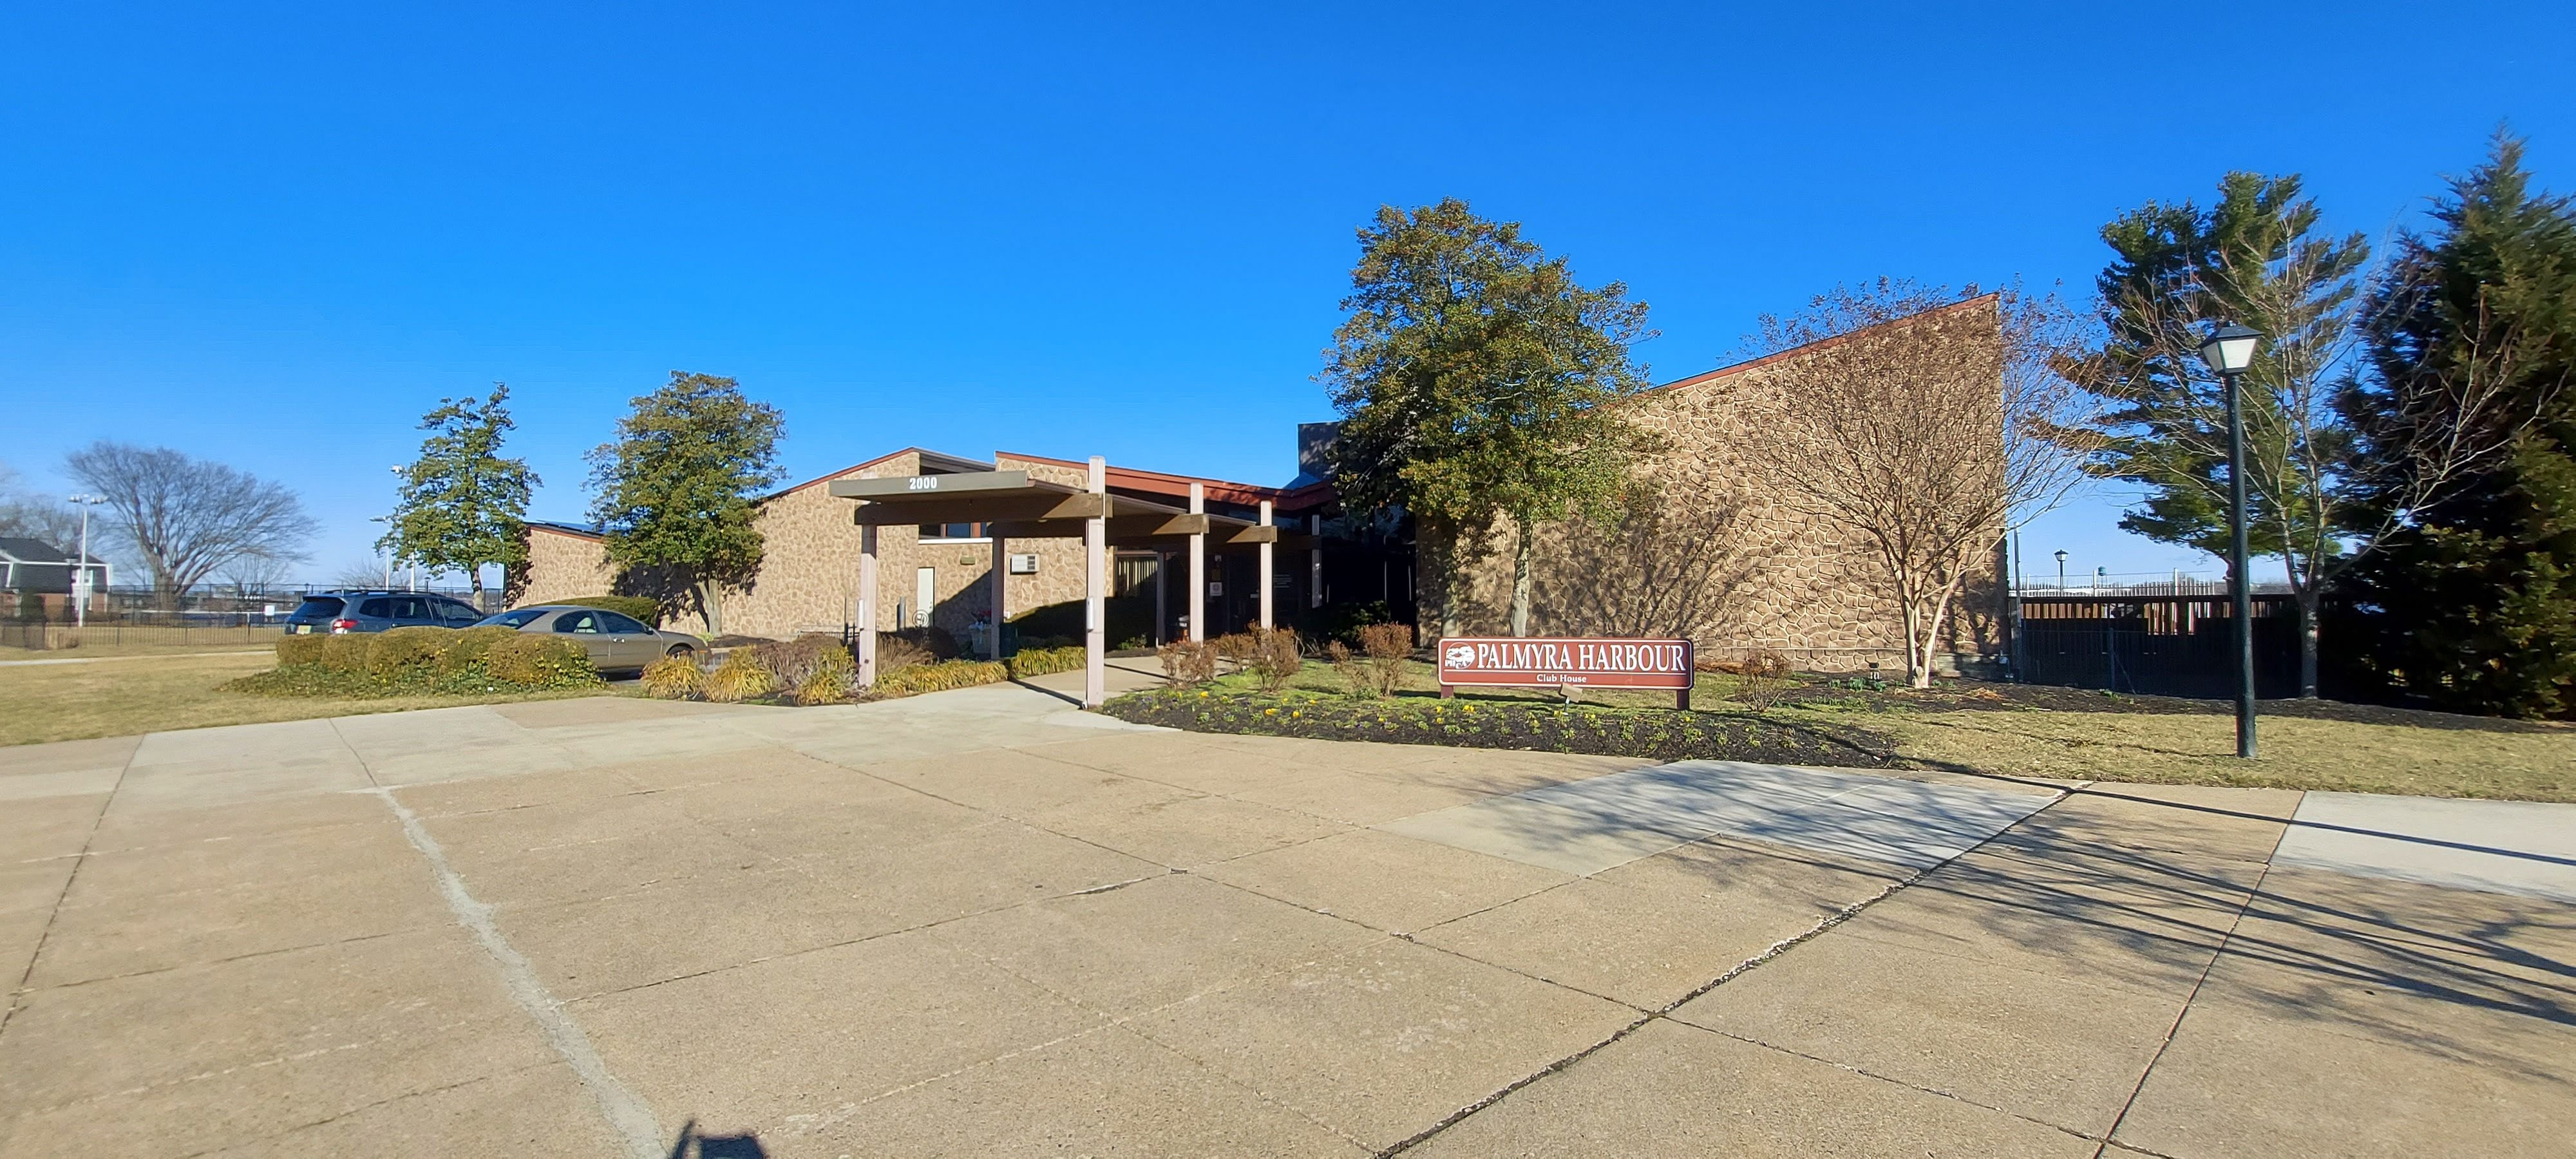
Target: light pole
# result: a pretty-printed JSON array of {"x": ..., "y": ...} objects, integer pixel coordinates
[
  {"x": 2229, "y": 349},
  {"x": 401, "y": 472},
  {"x": 387, "y": 520},
  {"x": 2061, "y": 573},
  {"x": 80, "y": 562}
]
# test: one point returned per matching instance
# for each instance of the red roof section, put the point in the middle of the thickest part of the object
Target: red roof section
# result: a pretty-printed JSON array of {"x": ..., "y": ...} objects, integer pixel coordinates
[{"x": 1162, "y": 483}]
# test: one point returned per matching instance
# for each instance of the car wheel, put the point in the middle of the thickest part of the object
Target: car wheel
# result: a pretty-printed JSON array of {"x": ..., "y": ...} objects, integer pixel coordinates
[{"x": 682, "y": 652}]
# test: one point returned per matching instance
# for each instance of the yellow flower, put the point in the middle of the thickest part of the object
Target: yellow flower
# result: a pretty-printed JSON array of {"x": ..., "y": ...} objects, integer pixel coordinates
[
  {"x": 1269, "y": 712},
  {"x": 1466, "y": 708},
  {"x": 1294, "y": 715}
]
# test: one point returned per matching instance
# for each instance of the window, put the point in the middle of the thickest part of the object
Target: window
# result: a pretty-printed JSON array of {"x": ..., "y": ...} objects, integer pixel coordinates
[
  {"x": 582, "y": 623},
  {"x": 1135, "y": 575},
  {"x": 410, "y": 608},
  {"x": 621, "y": 624},
  {"x": 517, "y": 619},
  {"x": 455, "y": 612},
  {"x": 380, "y": 609},
  {"x": 318, "y": 608},
  {"x": 951, "y": 531}
]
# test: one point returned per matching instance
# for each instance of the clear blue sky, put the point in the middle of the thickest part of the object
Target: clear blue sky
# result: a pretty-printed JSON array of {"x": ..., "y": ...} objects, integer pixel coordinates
[{"x": 275, "y": 236}]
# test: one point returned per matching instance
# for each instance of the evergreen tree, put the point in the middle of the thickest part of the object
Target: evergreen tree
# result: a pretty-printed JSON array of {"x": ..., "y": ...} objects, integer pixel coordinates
[
  {"x": 1472, "y": 375},
  {"x": 463, "y": 505},
  {"x": 2471, "y": 601},
  {"x": 2255, "y": 257},
  {"x": 676, "y": 492}
]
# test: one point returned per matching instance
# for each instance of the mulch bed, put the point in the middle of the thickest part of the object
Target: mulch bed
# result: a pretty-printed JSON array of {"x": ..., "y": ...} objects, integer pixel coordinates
[
  {"x": 1971, "y": 695},
  {"x": 1657, "y": 733}
]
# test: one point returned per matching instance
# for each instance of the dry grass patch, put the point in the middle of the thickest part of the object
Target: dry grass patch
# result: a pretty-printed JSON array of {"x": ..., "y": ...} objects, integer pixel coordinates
[{"x": 52, "y": 702}]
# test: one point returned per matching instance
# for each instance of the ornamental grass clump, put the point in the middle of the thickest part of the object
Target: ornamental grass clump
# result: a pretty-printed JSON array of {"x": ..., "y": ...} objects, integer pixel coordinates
[
  {"x": 672, "y": 678},
  {"x": 941, "y": 677},
  {"x": 1029, "y": 662},
  {"x": 741, "y": 677},
  {"x": 792, "y": 663},
  {"x": 825, "y": 686}
]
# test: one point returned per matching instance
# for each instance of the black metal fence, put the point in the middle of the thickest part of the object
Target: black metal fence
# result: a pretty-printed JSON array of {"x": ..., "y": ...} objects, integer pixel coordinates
[{"x": 2169, "y": 645}]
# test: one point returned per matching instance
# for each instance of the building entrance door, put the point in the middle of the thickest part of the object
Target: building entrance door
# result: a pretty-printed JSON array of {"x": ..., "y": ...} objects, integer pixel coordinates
[{"x": 925, "y": 591}]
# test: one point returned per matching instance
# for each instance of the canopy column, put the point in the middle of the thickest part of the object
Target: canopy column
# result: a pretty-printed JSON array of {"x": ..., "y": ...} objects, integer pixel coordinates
[
  {"x": 1162, "y": 602},
  {"x": 1265, "y": 569},
  {"x": 1197, "y": 604},
  {"x": 866, "y": 633},
  {"x": 1095, "y": 549},
  {"x": 1001, "y": 566}
]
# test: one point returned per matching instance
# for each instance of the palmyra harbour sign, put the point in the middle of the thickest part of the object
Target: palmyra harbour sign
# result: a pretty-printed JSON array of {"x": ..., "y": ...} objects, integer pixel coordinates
[{"x": 1568, "y": 664}]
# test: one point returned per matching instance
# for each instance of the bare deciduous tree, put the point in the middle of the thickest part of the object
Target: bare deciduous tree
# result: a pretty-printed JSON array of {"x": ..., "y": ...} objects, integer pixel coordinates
[
  {"x": 186, "y": 517},
  {"x": 34, "y": 516},
  {"x": 1928, "y": 423},
  {"x": 1671, "y": 567}
]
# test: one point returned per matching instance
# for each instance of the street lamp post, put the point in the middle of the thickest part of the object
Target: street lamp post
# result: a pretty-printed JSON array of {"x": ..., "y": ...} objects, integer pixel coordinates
[
  {"x": 402, "y": 472},
  {"x": 2061, "y": 573},
  {"x": 2229, "y": 349},
  {"x": 81, "y": 583}
]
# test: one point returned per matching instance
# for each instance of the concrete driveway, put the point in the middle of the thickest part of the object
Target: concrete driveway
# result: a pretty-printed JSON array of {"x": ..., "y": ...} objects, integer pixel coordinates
[{"x": 982, "y": 923}]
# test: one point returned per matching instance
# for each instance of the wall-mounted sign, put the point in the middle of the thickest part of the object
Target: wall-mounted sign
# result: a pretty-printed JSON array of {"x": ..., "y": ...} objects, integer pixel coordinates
[
  {"x": 1566, "y": 663},
  {"x": 1024, "y": 563}
]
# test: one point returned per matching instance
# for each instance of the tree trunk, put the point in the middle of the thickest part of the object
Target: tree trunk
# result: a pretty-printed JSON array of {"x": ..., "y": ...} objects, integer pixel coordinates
[
  {"x": 1914, "y": 674},
  {"x": 2308, "y": 600},
  {"x": 711, "y": 607},
  {"x": 1921, "y": 663},
  {"x": 1521, "y": 550}
]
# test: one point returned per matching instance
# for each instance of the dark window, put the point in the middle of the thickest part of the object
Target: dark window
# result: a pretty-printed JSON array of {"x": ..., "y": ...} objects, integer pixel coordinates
[
  {"x": 585, "y": 623},
  {"x": 618, "y": 623},
  {"x": 380, "y": 609},
  {"x": 517, "y": 619},
  {"x": 318, "y": 608},
  {"x": 411, "y": 608},
  {"x": 952, "y": 531}
]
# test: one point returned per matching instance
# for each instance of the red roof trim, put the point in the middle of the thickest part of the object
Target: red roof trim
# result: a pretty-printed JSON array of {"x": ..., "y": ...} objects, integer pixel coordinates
[
  {"x": 1819, "y": 344},
  {"x": 1164, "y": 483}
]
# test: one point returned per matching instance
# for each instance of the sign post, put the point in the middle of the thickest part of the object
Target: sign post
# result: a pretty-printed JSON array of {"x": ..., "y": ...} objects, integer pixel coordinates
[{"x": 1551, "y": 662}]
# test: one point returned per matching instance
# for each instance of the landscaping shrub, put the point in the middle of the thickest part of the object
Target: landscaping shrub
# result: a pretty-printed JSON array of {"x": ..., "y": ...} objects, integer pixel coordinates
[
  {"x": 407, "y": 653},
  {"x": 793, "y": 663},
  {"x": 1029, "y": 662},
  {"x": 1355, "y": 674},
  {"x": 671, "y": 678},
  {"x": 300, "y": 649},
  {"x": 894, "y": 652},
  {"x": 644, "y": 608},
  {"x": 1236, "y": 648},
  {"x": 1275, "y": 658},
  {"x": 1187, "y": 662},
  {"x": 466, "y": 649},
  {"x": 741, "y": 677},
  {"x": 533, "y": 661},
  {"x": 941, "y": 677},
  {"x": 934, "y": 641},
  {"x": 1387, "y": 646},
  {"x": 346, "y": 655}
]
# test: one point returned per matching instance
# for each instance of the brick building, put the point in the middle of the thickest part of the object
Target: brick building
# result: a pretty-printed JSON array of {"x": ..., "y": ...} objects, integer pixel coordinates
[{"x": 1710, "y": 559}]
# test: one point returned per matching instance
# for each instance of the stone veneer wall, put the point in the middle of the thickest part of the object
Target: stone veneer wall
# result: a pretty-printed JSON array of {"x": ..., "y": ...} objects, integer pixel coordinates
[
  {"x": 809, "y": 573},
  {"x": 1717, "y": 560}
]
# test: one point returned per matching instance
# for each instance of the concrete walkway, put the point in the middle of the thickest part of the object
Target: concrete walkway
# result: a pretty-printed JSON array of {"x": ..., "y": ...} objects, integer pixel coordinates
[{"x": 983, "y": 923}]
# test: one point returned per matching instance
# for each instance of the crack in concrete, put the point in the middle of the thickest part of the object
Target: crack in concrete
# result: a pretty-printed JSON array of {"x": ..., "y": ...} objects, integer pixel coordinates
[{"x": 45, "y": 937}]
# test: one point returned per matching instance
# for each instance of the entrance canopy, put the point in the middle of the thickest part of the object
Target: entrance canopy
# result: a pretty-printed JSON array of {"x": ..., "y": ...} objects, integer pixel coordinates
[{"x": 1011, "y": 505}]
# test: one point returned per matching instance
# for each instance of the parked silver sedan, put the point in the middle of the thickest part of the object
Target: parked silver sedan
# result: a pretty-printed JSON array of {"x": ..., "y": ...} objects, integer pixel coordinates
[{"x": 616, "y": 643}]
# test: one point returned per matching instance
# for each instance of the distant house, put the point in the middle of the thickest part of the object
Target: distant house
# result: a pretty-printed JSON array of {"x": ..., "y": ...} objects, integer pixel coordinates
[{"x": 35, "y": 567}]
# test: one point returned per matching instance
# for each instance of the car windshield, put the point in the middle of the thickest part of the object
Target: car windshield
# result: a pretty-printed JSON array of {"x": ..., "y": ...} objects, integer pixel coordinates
[
  {"x": 318, "y": 608},
  {"x": 512, "y": 619}
]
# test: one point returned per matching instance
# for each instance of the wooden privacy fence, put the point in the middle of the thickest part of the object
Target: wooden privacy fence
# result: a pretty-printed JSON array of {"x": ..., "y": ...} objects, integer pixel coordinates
[{"x": 2161, "y": 645}]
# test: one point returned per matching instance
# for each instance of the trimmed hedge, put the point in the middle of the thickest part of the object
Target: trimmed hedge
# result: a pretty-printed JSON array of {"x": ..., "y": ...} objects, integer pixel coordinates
[
  {"x": 644, "y": 608},
  {"x": 1029, "y": 662},
  {"x": 417, "y": 661}
]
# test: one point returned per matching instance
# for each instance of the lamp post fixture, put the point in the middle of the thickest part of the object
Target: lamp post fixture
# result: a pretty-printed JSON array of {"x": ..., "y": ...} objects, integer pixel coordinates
[
  {"x": 400, "y": 472},
  {"x": 2229, "y": 349},
  {"x": 2061, "y": 573},
  {"x": 388, "y": 521},
  {"x": 80, "y": 562}
]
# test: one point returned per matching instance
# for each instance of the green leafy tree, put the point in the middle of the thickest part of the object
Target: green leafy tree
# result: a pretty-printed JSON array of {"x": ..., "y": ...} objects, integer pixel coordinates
[
  {"x": 676, "y": 492},
  {"x": 462, "y": 505},
  {"x": 2257, "y": 257},
  {"x": 2470, "y": 601},
  {"x": 1473, "y": 376}
]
